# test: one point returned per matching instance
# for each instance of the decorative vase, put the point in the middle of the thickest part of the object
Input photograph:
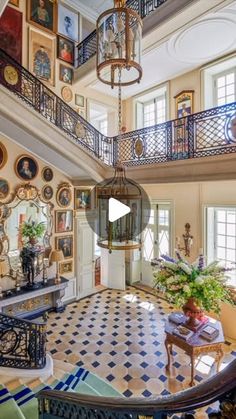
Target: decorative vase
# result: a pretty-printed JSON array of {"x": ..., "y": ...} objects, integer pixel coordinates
[
  {"x": 33, "y": 241},
  {"x": 194, "y": 313}
]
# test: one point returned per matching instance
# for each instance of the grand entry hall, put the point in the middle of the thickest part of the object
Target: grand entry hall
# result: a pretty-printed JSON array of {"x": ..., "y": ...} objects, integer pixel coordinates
[{"x": 117, "y": 209}]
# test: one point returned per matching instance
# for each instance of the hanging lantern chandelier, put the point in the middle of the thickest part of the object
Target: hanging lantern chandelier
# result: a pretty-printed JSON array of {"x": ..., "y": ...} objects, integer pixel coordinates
[{"x": 119, "y": 33}]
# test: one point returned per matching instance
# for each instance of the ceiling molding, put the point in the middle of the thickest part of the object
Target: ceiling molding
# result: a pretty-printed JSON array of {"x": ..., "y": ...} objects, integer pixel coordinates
[{"x": 85, "y": 11}]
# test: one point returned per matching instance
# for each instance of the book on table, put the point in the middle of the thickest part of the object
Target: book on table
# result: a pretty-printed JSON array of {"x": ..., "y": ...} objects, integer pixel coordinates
[
  {"x": 209, "y": 332},
  {"x": 183, "y": 332},
  {"x": 177, "y": 317}
]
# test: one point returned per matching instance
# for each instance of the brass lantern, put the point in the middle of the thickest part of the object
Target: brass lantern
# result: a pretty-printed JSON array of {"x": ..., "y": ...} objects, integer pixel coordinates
[
  {"x": 125, "y": 232},
  {"x": 119, "y": 33}
]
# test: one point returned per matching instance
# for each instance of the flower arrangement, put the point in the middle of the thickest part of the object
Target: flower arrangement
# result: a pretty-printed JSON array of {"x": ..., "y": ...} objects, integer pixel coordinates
[
  {"x": 32, "y": 229},
  {"x": 181, "y": 281}
]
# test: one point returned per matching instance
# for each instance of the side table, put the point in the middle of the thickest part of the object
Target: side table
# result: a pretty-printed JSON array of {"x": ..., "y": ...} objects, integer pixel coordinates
[{"x": 195, "y": 345}]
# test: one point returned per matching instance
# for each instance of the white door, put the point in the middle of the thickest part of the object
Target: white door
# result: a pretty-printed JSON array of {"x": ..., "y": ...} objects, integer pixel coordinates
[
  {"x": 156, "y": 238},
  {"x": 113, "y": 269},
  {"x": 85, "y": 263}
]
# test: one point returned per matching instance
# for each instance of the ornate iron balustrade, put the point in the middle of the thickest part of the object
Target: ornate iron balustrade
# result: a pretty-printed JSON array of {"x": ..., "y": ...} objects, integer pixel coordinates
[
  {"x": 202, "y": 134},
  {"x": 22, "y": 343},
  {"x": 221, "y": 387},
  {"x": 87, "y": 48},
  {"x": 35, "y": 94}
]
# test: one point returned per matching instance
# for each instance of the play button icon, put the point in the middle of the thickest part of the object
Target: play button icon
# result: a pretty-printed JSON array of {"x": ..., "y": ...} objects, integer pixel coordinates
[{"x": 117, "y": 210}]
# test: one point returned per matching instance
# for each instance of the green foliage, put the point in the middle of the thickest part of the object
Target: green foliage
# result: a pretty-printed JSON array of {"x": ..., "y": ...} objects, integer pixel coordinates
[
  {"x": 31, "y": 229},
  {"x": 181, "y": 280}
]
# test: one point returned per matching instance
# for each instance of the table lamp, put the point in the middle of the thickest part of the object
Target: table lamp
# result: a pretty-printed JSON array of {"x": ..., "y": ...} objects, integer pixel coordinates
[{"x": 57, "y": 256}]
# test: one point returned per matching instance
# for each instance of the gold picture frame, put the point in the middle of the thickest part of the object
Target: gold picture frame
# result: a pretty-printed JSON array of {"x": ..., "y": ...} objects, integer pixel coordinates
[
  {"x": 3, "y": 155},
  {"x": 63, "y": 221},
  {"x": 82, "y": 198},
  {"x": 64, "y": 196},
  {"x": 184, "y": 103},
  {"x": 44, "y": 18},
  {"x": 14, "y": 2},
  {"x": 66, "y": 267},
  {"x": 26, "y": 167},
  {"x": 42, "y": 48},
  {"x": 66, "y": 94},
  {"x": 65, "y": 243},
  {"x": 4, "y": 188},
  {"x": 47, "y": 174},
  {"x": 47, "y": 193}
]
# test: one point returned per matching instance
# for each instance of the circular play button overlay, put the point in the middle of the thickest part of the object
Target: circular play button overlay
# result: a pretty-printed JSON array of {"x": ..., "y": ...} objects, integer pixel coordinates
[{"x": 121, "y": 211}]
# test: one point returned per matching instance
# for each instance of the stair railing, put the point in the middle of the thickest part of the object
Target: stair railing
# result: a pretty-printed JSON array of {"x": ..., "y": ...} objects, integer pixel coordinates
[
  {"x": 22, "y": 343},
  {"x": 221, "y": 387},
  {"x": 203, "y": 134}
]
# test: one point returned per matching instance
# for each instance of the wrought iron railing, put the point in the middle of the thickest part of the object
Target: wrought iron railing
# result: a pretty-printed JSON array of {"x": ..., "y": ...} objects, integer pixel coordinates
[
  {"x": 202, "y": 134},
  {"x": 87, "y": 48},
  {"x": 22, "y": 343},
  {"x": 221, "y": 387},
  {"x": 35, "y": 94}
]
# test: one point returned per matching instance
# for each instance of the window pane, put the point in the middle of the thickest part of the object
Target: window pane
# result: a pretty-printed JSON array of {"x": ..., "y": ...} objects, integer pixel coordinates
[
  {"x": 231, "y": 217},
  {"x": 231, "y": 229},
  {"x": 230, "y": 255},
  {"x": 221, "y": 240},
  {"x": 230, "y": 89},
  {"x": 221, "y": 216},
  {"x": 221, "y": 81},
  {"x": 221, "y": 228},
  {"x": 221, "y": 253},
  {"x": 221, "y": 92},
  {"x": 230, "y": 78},
  {"x": 230, "y": 242}
]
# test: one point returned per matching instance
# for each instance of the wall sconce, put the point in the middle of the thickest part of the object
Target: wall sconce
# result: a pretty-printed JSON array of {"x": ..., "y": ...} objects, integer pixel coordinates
[{"x": 188, "y": 240}]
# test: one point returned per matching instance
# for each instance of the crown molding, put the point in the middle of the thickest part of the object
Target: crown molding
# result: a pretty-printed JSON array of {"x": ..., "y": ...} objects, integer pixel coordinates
[{"x": 85, "y": 11}]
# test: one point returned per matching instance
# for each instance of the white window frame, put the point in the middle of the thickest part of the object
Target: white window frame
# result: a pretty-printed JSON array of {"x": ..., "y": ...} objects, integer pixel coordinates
[
  {"x": 100, "y": 125},
  {"x": 211, "y": 257},
  {"x": 216, "y": 77},
  {"x": 152, "y": 97}
]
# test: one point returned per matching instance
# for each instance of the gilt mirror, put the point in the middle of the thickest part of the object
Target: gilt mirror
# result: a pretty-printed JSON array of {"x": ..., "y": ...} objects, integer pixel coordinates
[{"x": 25, "y": 205}]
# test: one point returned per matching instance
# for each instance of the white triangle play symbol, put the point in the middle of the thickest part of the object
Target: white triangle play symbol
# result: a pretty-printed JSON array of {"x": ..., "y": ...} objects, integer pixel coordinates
[{"x": 117, "y": 210}]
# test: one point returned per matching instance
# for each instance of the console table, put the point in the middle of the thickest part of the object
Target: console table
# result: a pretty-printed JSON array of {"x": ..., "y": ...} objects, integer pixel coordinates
[
  {"x": 195, "y": 346},
  {"x": 31, "y": 303}
]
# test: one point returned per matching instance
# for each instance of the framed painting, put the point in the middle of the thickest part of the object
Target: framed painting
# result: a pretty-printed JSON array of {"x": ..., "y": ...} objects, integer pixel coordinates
[
  {"x": 11, "y": 33},
  {"x": 65, "y": 49},
  {"x": 63, "y": 221},
  {"x": 14, "y": 2},
  {"x": 68, "y": 23},
  {"x": 184, "y": 103},
  {"x": 3, "y": 155},
  {"x": 42, "y": 55},
  {"x": 64, "y": 196},
  {"x": 66, "y": 267},
  {"x": 4, "y": 188},
  {"x": 66, "y": 74},
  {"x": 42, "y": 13},
  {"x": 47, "y": 193},
  {"x": 79, "y": 101},
  {"x": 47, "y": 174},
  {"x": 26, "y": 167},
  {"x": 82, "y": 199},
  {"x": 65, "y": 243}
]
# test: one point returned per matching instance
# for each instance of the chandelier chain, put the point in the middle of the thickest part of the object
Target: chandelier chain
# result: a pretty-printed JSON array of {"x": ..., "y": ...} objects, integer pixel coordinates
[{"x": 119, "y": 103}]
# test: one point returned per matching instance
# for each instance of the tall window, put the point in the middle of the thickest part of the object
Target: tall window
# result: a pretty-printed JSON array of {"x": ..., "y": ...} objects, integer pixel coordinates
[
  {"x": 103, "y": 126},
  {"x": 151, "y": 108},
  {"x": 225, "y": 87},
  {"x": 221, "y": 237}
]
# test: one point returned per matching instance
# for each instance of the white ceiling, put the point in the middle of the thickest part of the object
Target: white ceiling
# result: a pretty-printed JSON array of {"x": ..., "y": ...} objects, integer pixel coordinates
[{"x": 199, "y": 42}]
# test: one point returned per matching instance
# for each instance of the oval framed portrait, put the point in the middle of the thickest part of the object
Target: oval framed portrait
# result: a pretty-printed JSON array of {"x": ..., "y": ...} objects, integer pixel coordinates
[
  {"x": 47, "y": 193},
  {"x": 47, "y": 174},
  {"x": 26, "y": 167},
  {"x": 64, "y": 196},
  {"x": 4, "y": 188},
  {"x": 3, "y": 155}
]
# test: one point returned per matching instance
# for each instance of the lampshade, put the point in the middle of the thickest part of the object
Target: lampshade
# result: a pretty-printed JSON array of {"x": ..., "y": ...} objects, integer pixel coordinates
[
  {"x": 4, "y": 268},
  {"x": 57, "y": 256}
]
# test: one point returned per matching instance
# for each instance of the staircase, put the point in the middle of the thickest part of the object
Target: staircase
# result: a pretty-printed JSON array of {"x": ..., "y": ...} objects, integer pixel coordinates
[{"x": 18, "y": 398}]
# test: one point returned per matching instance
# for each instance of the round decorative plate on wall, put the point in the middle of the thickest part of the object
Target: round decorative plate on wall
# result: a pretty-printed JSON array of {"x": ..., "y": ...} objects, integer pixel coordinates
[{"x": 66, "y": 94}]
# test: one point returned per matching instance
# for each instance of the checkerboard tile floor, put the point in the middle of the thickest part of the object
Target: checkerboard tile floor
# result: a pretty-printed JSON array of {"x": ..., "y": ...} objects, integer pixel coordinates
[{"x": 119, "y": 335}]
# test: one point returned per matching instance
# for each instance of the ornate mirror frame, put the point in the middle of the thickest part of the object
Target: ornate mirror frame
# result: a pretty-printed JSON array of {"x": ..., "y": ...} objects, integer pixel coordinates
[{"x": 28, "y": 193}]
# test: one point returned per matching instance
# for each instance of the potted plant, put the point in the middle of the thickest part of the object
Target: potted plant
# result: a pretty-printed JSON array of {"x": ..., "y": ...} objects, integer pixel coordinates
[
  {"x": 194, "y": 287},
  {"x": 32, "y": 231}
]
